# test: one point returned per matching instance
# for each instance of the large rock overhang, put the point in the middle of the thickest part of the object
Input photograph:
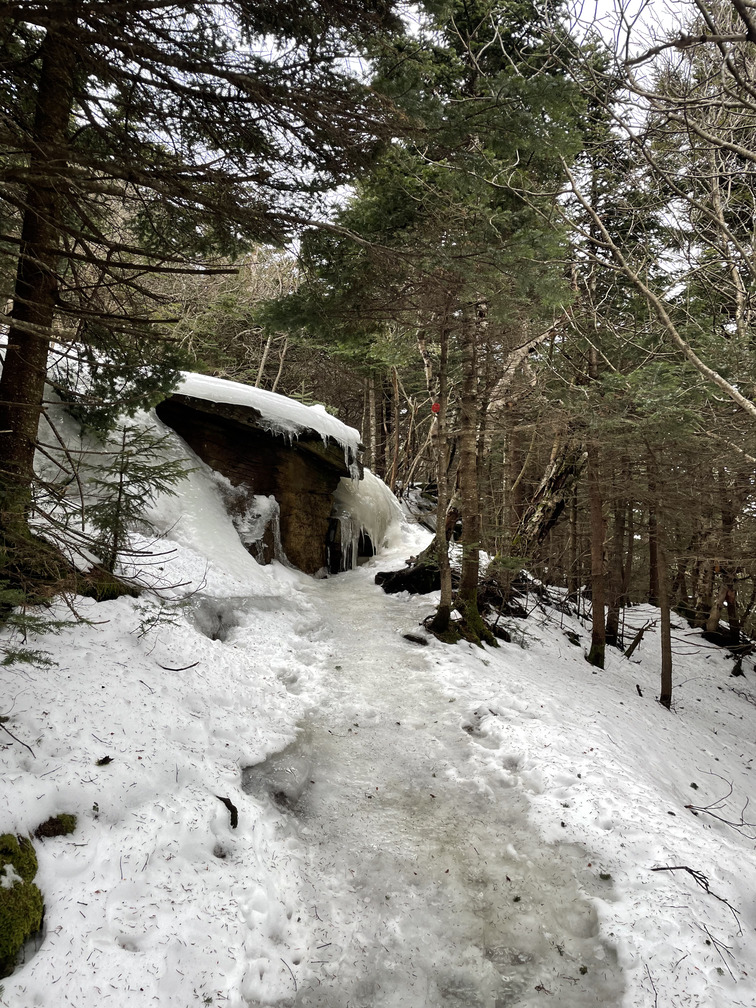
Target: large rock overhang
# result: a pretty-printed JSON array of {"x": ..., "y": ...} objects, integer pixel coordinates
[{"x": 301, "y": 472}]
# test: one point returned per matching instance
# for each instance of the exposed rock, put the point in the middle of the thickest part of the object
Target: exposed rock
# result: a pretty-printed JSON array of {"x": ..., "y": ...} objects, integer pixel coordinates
[
  {"x": 420, "y": 577},
  {"x": 416, "y": 639},
  {"x": 302, "y": 474}
]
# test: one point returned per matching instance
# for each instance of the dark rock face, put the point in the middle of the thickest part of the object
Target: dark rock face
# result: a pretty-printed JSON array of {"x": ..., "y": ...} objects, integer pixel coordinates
[
  {"x": 302, "y": 475},
  {"x": 418, "y": 579}
]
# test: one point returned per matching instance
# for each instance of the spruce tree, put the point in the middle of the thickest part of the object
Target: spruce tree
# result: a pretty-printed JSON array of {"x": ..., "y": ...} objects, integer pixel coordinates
[
  {"x": 141, "y": 140},
  {"x": 455, "y": 241}
]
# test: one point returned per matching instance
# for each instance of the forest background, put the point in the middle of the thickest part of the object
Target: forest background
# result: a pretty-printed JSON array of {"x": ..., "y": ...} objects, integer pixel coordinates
[{"x": 514, "y": 250}]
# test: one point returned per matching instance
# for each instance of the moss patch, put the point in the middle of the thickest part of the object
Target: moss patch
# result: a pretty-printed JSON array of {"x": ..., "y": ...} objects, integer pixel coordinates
[
  {"x": 103, "y": 586},
  {"x": 59, "y": 825},
  {"x": 21, "y": 905}
]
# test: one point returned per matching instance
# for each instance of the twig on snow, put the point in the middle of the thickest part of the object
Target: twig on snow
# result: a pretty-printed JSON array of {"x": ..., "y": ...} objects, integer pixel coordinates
[
  {"x": 718, "y": 945},
  {"x": 742, "y": 826},
  {"x": 292, "y": 974},
  {"x": 653, "y": 986},
  {"x": 9, "y": 732},
  {"x": 701, "y": 880}
]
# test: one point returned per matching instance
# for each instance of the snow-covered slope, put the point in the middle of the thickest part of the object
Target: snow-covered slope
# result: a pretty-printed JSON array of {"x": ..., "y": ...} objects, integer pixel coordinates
[{"x": 483, "y": 824}]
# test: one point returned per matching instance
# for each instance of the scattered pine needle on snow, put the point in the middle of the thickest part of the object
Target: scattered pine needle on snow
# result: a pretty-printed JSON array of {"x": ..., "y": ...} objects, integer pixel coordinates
[{"x": 156, "y": 708}]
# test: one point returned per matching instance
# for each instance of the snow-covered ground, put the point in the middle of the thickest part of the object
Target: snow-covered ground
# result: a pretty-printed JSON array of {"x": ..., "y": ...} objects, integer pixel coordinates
[{"x": 417, "y": 826}]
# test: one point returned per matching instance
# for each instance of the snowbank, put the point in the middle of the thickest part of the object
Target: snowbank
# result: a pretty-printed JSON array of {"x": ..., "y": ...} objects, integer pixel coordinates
[{"x": 156, "y": 901}]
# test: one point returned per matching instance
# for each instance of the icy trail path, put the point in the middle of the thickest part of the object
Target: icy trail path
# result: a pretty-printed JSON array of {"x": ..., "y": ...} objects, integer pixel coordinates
[{"x": 424, "y": 880}]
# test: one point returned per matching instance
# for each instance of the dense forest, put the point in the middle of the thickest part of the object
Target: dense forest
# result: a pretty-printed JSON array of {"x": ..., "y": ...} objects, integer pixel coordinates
[{"x": 511, "y": 245}]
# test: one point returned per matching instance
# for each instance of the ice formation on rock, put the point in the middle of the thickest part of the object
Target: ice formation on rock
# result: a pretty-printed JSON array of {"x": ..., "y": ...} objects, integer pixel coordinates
[{"x": 364, "y": 507}]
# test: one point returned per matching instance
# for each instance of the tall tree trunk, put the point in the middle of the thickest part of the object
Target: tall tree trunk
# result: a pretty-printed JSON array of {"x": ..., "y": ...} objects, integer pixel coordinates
[
  {"x": 665, "y": 635},
  {"x": 264, "y": 360},
  {"x": 627, "y": 576},
  {"x": 573, "y": 571},
  {"x": 597, "y": 650},
  {"x": 395, "y": 429},
  {"x": 729, "y": 569},
  {"x": 374, "y": 430},
  {"x": 653, "y": 538},
  {"x": 474, "y": 323},
  {"x": 516, "y": 459},
  {"x": 281, "y": 358},
  {"x": 616, "y": 575},
  {"x": 467, "y": 474},
  {"x": 441, "y": 619},
  {"x": 35, "y": 293}
]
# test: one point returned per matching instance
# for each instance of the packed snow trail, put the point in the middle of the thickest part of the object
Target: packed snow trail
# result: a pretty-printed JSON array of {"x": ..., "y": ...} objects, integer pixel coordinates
[{"x": 426, "y": 884}]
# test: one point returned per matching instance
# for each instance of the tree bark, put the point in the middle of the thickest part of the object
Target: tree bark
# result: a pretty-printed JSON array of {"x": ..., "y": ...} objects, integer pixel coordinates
[
  {"x": 597, "y": 650},
  {"x": 467, "y": 474},
  {"x": 616, "y": 575},
  {"x": 35, "y": 295},
  {"x": 548, "y": 501},
  {"x": 665, "y": 634},
  {"x": 395, "y": 430},
  {"x": 653, "y": 538},
  {"x": 473, "y": 326},
  {"x": 573, "y": 572},
  {"x": 442, "y": 617}
]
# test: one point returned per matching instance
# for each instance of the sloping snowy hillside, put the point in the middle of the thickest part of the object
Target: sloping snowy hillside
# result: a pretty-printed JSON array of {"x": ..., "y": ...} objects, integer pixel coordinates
[{"x": 417, "y": 826}]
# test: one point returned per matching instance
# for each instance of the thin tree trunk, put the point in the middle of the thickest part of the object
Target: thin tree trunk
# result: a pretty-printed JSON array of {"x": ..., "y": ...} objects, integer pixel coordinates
[
  {"x": 442, "y": 617},
  {"x": 729, "y": 569},
  {"x": 653, "y": 538},
  {"x": 264, "y": 360},
  {"x": 665, "y": 631},
  {"x": 573, "y": 571},
  {"x": 281, "y": 359},
  {"x": 373, "y": 420},
  {"x": 395, "y": 425},
  {"x": 616, "y": 576},
  {"x": 630, "y": 551},
  {"x": 597, "y": 650}
]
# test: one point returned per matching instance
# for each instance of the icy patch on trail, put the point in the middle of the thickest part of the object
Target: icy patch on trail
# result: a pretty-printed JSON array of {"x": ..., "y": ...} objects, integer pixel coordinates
[{"x": 424, "y": 881}]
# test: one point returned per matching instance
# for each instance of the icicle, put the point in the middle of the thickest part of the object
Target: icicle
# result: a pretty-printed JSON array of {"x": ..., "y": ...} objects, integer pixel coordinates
[
  {"x": 262, "y": 514},
  {"x": 364, "y": 508}
]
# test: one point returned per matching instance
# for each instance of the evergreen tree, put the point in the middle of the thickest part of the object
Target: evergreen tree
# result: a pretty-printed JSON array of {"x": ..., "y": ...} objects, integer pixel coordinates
[
  {"x": 455, "y": 244},
  {"x": 139, "y": 140}
]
